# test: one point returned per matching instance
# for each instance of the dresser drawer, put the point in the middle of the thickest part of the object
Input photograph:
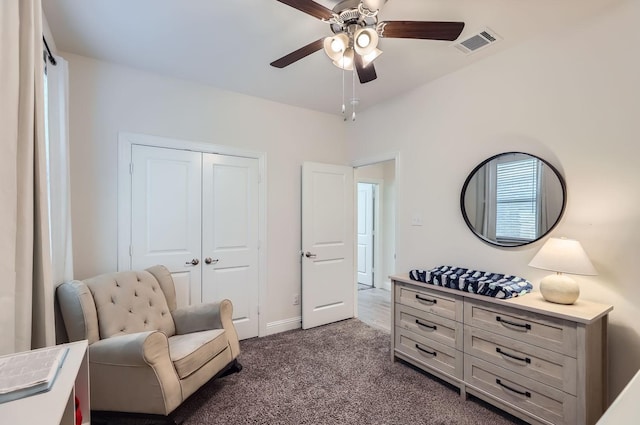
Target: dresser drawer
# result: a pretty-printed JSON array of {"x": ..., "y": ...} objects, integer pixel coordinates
[
  {"x": 428, "y": 325},
  {"x": 551, "y": 368},
  {"x": 439, "y": 303},
  {"x": 532, "y": 396},
  {"x": 431, "y": 353},
  {"x": 542, "y": 331}
]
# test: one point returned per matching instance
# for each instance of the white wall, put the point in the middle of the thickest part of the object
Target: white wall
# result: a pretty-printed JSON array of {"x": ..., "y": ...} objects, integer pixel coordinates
[
  {"x": 572, "y": 98},
  {"x": 106, "y": 99}
]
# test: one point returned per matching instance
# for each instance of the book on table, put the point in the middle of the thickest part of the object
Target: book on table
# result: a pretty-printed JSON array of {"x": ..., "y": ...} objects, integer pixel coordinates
[{"x": 30, "y": 372}]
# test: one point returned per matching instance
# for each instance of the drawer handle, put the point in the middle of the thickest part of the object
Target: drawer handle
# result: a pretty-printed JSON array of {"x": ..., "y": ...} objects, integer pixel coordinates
[
  {"x": 526, "y": 359},
  {"x": 520, "y": 325},
  {"x": 427, "y": 300},
  {"x": 418, "y": 322},
  {"x": 431, "y": 353},
  {"x": 524, "y": 393}
]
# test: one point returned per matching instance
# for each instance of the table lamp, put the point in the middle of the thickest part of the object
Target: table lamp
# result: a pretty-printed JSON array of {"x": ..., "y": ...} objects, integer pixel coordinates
[{"x": 562, "y": 255}]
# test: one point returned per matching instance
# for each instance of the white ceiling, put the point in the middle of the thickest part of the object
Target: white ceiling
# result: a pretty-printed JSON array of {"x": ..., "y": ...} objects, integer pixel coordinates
[{"x": 229, "y": 44}]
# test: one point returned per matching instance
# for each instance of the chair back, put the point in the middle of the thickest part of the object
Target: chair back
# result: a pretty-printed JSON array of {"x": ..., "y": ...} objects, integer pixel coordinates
[{"x": 117, "y": 303}]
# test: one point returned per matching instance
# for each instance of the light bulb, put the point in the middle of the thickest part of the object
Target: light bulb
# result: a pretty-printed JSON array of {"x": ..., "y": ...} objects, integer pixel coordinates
[
  {"x": 363, "y": 40},
  {"x": 337, "y": 45}
]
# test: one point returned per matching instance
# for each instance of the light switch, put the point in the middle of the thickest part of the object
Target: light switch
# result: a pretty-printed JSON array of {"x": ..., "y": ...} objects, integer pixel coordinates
[{"x": 416, "y": 219}]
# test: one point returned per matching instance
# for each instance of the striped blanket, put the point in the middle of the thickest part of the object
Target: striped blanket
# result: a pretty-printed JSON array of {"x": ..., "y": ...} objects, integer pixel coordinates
[{"x": 474, "y": 281}]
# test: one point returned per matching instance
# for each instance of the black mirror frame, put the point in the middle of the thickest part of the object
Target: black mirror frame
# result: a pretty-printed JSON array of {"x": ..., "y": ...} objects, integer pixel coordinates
[{"x": 495, "y": 243}]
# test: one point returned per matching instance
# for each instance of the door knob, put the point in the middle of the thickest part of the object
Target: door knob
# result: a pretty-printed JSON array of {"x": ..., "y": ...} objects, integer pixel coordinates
[
  {"x": 209, "y": 260},
  {"x": 309, "y": 255},
  {"x": 193, "y": 262}
]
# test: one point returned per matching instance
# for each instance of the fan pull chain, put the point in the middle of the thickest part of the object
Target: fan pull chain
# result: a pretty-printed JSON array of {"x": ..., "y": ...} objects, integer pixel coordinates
[
  {"x": 344, "y": 107},
  {"x": 353, "y": 98}
]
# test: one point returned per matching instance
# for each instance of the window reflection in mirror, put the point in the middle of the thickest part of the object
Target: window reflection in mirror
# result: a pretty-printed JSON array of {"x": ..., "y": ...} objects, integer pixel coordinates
[{"x": 513, "y": 199}]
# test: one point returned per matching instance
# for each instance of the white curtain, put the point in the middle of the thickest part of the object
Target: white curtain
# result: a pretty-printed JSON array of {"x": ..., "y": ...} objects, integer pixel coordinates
[
  {"x": 59, "y": 186},
  {"x": 26, "y": 287},
  {"x": 483, "y": 206}
]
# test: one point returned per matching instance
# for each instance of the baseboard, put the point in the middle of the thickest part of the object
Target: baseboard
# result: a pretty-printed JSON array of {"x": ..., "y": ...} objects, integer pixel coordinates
[
  {"x": 284, "y": 325},
  {"x": 386, "y": 284}
]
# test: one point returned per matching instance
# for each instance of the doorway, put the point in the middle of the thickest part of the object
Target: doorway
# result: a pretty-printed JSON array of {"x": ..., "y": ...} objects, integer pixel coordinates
[{"x": 375, "y": 221}]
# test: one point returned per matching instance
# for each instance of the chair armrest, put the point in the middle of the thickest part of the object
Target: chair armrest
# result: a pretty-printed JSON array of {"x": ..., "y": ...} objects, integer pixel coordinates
[
  {"x": 137, "y": 349},
  {"x": 134, "y": 373},
  {"x": 202, "y": 317}
]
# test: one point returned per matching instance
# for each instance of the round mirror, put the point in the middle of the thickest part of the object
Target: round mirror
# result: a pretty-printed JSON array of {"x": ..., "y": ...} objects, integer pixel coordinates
[{"x": 513, "y": 199}]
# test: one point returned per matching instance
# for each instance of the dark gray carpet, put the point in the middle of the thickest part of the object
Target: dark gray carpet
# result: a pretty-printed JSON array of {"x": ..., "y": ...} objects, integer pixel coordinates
[{"x": 335, "y": 374}]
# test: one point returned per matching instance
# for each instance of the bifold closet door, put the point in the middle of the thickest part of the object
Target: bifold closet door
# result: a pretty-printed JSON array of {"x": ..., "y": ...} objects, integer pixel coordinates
[
  {"x": 230, "y": 237},
  {"x": 198, "y": 215},
  {"x": 166, "y": 216}
]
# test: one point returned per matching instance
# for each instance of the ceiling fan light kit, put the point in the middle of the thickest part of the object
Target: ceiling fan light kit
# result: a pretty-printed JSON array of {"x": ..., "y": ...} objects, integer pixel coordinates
[
  {"x": 353, "y": 40},
  {"x": 354, "y": 45}
]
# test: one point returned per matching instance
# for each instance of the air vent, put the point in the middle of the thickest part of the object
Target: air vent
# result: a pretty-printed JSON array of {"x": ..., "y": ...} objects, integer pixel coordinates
[{"x": 478, "y": 41}]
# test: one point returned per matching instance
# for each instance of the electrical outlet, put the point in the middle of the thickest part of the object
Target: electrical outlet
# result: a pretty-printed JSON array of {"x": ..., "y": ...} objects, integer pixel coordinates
[{"x": 296, "y": 299}]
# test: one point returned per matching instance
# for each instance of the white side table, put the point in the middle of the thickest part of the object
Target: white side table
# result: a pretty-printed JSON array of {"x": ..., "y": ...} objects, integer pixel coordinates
[{"x": 56, "y": 406}]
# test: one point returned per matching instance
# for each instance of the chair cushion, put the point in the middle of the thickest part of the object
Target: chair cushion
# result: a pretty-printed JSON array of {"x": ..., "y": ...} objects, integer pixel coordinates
[
  {"x": 190, "y": 352},
  {"x": 130, "y": 302}
]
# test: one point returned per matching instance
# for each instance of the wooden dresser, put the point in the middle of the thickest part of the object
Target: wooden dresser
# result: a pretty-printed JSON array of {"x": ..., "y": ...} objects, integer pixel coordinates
[{"x": 545, "y": 363}]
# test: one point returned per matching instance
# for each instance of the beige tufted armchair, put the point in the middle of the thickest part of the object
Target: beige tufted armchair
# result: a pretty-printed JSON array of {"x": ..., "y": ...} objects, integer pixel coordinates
[{"x": 146, "y": 355}]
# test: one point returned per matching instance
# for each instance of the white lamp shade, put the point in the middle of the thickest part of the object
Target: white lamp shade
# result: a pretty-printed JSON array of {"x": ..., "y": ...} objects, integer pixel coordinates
[
  {"x": 370, "y": 57},
  {"x": 563, "y": 256},
  {"x": 365, "y": 40},
  {"x": 345, "y": 61},
  {"x": 373, "y": 4},
  {"x": 335, "y": 46}
]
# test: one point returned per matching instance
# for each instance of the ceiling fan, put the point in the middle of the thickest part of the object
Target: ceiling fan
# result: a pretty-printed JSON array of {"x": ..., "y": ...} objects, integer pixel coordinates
[{"x": 356, "y": 32}]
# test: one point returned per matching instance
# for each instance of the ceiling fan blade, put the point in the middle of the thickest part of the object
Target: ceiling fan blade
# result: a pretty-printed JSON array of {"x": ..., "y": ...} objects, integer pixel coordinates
[
  {"x": 422, "y": 30},
  {"x": 365, "y": 73},
  {"x": 310, "y": 8},
  {"x": 302, "y": 52}
]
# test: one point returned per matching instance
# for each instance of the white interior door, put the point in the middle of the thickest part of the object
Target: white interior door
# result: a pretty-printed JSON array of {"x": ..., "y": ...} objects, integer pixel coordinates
[
  {"x": 365, "y": 233},
  {"x": 230, "y": 237},
  {"x": 327, "y": 244},
  {"x": 165, "y": 216}
]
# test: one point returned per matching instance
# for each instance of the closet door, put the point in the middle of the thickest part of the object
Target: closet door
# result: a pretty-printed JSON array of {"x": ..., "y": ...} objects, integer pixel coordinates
[
  {"x": 230, "y": 237},
  {"x": 166, "y": 216}
]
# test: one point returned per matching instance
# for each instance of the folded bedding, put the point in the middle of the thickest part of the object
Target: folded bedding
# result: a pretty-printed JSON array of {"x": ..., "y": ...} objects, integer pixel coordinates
[{"x": 474, "y": 281}]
